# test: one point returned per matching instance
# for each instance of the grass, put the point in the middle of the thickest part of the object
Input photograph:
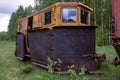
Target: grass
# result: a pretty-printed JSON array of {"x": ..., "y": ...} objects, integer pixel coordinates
[{"x": 13, "y": 69}]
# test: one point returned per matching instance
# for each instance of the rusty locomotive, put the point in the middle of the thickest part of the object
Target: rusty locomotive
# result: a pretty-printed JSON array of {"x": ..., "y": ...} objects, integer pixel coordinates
[{"x": 60, "y": 31}]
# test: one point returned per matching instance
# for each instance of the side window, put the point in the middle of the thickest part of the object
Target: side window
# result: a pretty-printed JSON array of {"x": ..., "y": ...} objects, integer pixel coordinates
[
  {"x": 48, "y": 18},
  {"x": 84, "y": 16},
  {"x": 20, "y": 25},
  {"x": 30, "y": 23},
  {"x": 69, "y": 15}
]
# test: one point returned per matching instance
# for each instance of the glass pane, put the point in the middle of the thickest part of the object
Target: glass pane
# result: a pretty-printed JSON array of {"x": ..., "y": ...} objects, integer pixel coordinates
[
  {"x": 48, "y": 18},
  {"x": 84, "y": 16},
  {"x": 69, "y": 15}
]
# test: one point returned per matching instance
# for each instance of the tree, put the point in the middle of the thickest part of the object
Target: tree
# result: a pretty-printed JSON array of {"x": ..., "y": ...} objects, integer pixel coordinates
[
  {"x": 28, "y": 10},
  {"x": 15, "y": 17},
  {"x": 4, "y": 36}
]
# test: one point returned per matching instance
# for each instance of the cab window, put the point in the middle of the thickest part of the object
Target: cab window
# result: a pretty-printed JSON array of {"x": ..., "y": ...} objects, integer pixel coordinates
[
  {"x": 47, "y": 18},
  {"x": 69, "y": 15},
  {"x": 30, "y": 23},
  {"x": 84, "y": 16}
]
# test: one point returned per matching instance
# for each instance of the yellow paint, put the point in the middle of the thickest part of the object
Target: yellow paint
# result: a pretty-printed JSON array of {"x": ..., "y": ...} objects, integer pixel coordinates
[
  {"x": 35, "y": 18},
  {"x": 89, "y": 18},
  {"x": 38, "y": 18},
  {"x": 81, "y": 4},
  {"x": 35, "y": 25},
  {"x": 58, "y": 15}
]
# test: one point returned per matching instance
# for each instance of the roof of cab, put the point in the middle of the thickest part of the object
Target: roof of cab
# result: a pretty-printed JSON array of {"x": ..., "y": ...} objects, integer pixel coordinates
[
  {"x": 65, "y": 4},
  {"x": 73, "y": 4}
]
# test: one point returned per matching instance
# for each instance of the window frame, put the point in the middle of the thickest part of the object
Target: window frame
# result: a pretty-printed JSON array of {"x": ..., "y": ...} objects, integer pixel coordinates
[
  {"x": 45, "y": 18},
  {"x": 69, "y": 8},
  {"x": 88, "y": 12}
]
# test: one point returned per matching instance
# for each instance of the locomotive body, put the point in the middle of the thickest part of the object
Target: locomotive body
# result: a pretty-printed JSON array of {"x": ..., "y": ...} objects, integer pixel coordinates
[{"x": 61, "y": 31}]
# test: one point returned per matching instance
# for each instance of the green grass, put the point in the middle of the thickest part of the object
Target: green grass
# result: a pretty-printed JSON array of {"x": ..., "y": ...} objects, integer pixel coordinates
[{"x": 13, "y": 69}]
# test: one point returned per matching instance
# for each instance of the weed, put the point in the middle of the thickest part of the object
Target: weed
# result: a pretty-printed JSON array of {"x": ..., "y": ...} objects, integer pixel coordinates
[
  {"x": 52, "y": 63},
  {"x": 82, "y": 72},
  {"x": 27, "y": 69},
  {"x": 73, "y": 74},
  {"x": 80, "y": 76}
]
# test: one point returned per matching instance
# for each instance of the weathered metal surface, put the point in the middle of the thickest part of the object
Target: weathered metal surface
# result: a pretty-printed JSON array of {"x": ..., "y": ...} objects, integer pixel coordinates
[
  {"x": 20, "y": 46},
  {"x": 116, "y": 16},
  {"x": 69, "y": 44},
  {"x": 115, "y": 27},
  {"x": 99, "y": 57},
  {"x": 39, "y": 43}
]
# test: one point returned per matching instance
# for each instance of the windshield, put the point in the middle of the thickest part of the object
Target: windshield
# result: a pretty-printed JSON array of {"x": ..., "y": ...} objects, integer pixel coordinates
[{"x": 69, "y": 15}]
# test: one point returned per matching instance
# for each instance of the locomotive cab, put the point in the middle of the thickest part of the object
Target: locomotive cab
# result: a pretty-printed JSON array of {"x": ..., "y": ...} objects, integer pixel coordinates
[{"x": 59, "y": 14}]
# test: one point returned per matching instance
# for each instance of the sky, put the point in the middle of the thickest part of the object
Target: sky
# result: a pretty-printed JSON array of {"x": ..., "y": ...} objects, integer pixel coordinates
[{"x": 6, "y": 9}]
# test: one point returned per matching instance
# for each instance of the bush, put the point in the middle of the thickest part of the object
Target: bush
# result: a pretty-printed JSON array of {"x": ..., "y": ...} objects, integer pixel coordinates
[
  {"x": 27, "y": 69},
  {"x": 4, "y": 36}
]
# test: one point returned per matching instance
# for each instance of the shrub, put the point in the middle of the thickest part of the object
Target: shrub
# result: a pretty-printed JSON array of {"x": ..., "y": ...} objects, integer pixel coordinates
[
  {"x": 27, "y": 69},
  {"x": 4, "y": 36}
]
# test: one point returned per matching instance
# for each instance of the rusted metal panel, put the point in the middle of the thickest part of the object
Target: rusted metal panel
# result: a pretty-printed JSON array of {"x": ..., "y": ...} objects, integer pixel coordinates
[
  {"x": 115, "y": 28},
  {"x": 116, "y": 16},
  {"x": 20, "y": 46},
  {"x": 69, "y": 44},
  {"x": 39, "y": 44}
]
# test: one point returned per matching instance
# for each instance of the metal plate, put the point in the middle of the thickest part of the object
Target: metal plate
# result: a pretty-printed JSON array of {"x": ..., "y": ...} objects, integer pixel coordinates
[
  {"x": 71, "y": 44},
  {"x": 20, "y": 46},
  {"x": 39, "y": 44},
  {"x": 116, "y": 16}
]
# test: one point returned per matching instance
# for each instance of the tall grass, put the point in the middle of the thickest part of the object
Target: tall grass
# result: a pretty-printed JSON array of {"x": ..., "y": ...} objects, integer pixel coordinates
[{"x": 13, "y": 69}]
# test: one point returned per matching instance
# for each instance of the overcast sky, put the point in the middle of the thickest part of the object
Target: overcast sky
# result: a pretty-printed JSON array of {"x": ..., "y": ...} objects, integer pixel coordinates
[{"x": 9, "y": 6}]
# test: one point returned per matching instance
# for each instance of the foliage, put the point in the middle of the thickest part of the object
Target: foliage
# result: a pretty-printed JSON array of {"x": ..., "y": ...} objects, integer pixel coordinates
[
  {"x": 52, "y": 63},
  {"x": 15, "y": 17},
  {"x": 40, "y": 4},
  {"x": 101, "y": 37},
  {"x": 101, "y": 17},
  {"x": 73, "y": 74},
  {"x": 4, "y": 36},
  {"x": 82, "y": 72},
  {"x": 12, "y": 27},
  {"x": 27, "y": 69}
]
